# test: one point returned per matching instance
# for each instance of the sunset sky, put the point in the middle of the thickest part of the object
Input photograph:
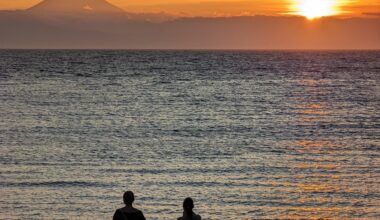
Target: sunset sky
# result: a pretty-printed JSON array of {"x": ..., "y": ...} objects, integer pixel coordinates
[
  {"x": 234, "y": 7},
  {"x": 191, "y": 24}
]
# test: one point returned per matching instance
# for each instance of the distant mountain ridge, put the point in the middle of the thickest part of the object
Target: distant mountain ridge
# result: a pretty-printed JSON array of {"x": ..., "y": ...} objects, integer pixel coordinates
[
  {"x": 75, "y": 6},
  {"x": 100, "y": 10}
]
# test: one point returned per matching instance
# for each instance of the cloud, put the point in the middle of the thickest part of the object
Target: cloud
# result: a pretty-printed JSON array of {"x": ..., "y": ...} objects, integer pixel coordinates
[{"x": 376, "y": 14}]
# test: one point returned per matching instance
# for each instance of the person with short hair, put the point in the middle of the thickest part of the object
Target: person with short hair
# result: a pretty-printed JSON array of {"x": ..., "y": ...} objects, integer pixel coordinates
[
  {"x": 128, "y": 212},
  {"x": 188, "y": 214}
]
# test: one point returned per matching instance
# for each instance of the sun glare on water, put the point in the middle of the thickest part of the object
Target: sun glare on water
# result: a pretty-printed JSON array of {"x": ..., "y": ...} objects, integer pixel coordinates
[{"x": 312, "y": 9}]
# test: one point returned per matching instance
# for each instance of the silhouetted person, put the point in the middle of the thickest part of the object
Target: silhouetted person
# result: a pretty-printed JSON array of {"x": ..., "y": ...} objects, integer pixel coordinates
[
  {"x": 128, "y": 212},
  {"x": 188, "y": 214}
]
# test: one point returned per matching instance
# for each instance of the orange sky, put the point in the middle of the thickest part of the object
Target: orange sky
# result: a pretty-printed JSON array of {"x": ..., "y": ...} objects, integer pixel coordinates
[{"x": 217, "y": 7}]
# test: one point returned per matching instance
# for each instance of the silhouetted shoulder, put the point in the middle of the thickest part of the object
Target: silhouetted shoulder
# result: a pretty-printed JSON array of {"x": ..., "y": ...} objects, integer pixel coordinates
[
  {"x": 194, "y": 217},
  {"x": 122, "y": 214},
  {"x": 119, "y": 215}
]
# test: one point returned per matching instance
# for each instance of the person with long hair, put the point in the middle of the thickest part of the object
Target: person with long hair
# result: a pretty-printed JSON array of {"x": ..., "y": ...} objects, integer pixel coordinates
[{"x": 188, "y": 214}]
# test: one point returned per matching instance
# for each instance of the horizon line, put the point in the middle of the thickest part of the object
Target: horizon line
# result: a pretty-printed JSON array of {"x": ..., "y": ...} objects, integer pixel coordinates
[{"x": 187, "y": 49}]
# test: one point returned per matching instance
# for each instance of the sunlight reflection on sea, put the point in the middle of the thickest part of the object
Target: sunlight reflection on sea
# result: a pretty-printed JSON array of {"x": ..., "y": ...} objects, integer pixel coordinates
[{"x": 248, "y": 135}]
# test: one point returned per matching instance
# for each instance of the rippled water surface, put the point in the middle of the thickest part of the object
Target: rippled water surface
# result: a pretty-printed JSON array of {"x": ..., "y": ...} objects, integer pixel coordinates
[{"x": 248, "y": 135}]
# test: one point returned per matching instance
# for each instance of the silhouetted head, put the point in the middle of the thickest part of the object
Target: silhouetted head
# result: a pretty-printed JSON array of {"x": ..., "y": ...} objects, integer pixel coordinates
[
  {"x": 188, "y": 205},
  {"x": 128, "y": 198}
]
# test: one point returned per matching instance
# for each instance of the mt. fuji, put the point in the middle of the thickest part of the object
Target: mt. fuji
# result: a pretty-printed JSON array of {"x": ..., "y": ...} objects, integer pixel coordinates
[{"x": 75, "y": 7}]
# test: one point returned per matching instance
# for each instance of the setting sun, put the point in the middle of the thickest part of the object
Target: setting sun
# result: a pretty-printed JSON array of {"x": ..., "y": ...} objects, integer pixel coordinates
[{"x": 316, "y": 8}]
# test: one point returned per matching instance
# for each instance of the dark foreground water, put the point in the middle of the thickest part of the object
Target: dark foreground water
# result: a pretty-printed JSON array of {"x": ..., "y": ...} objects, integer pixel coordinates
[{"x": 248, "y": 135}]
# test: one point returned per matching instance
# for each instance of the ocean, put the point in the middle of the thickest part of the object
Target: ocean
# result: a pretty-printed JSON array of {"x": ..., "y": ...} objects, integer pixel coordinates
[{"x": 246, "y": 134}]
